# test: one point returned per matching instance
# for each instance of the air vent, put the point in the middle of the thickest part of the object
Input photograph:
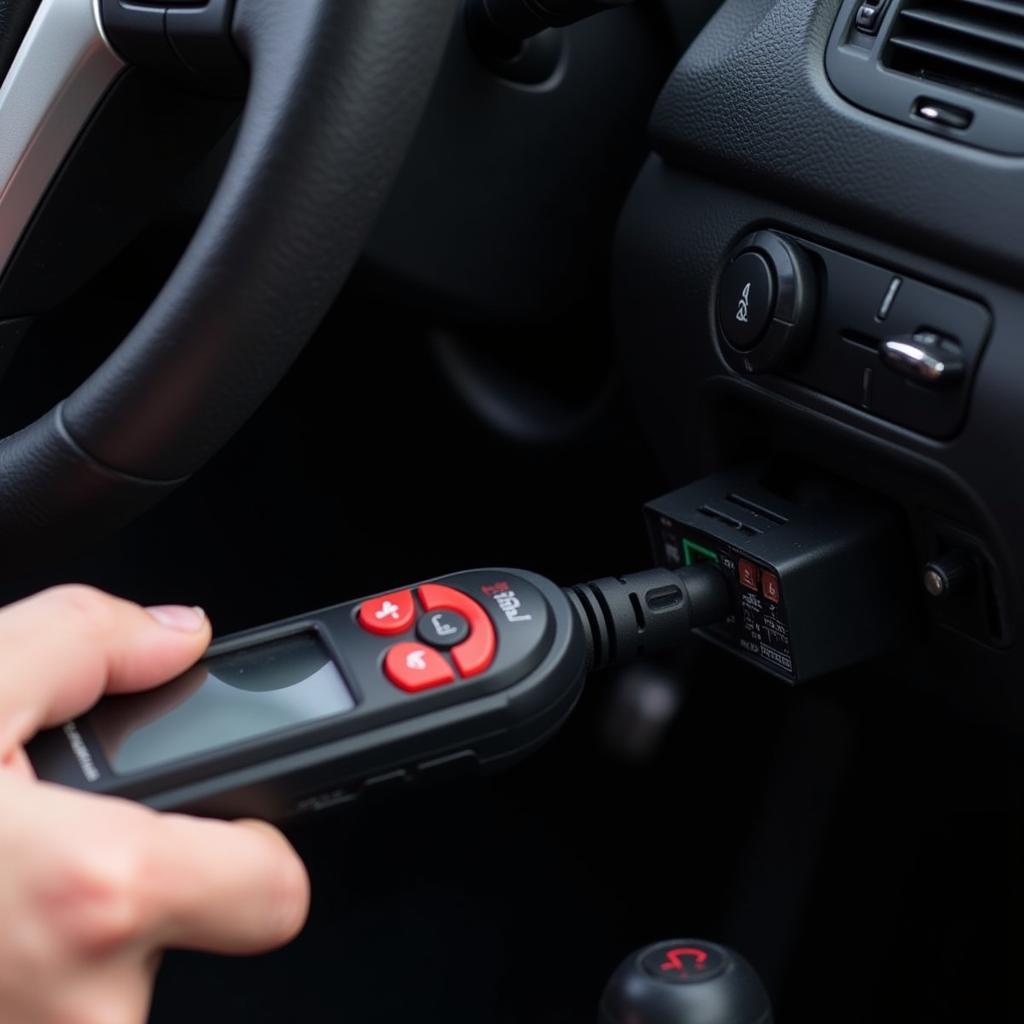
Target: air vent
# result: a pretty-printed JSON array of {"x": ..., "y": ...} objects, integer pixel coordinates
[
  {"x": 953, "y": 68},
  {"x": 972, "y": 45}
]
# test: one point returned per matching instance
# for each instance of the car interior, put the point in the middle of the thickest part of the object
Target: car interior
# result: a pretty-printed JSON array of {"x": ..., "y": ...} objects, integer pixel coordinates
[{"x": 306, "y": 301}]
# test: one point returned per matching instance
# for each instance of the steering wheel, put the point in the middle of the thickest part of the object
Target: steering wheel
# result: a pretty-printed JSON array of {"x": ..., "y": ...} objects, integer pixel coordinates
[{"x": 335, "y": 93}]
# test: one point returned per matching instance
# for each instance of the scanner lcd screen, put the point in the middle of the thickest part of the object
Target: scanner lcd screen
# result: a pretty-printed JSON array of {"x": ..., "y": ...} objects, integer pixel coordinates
[{"x": 221, "y": 702}]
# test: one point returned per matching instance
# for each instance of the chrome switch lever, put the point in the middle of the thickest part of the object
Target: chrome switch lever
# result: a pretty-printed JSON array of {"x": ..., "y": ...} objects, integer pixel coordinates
[{"x": 925, "y": 357}]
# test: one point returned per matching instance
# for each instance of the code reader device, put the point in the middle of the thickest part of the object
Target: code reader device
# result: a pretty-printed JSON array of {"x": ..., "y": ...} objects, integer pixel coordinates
[
  {"x": 465, "y": 672},
  {"x": 469, "y": 670}
]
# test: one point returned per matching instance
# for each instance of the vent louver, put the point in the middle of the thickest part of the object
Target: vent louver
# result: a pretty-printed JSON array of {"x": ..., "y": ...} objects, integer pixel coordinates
[{"x": 973, "y": 45}]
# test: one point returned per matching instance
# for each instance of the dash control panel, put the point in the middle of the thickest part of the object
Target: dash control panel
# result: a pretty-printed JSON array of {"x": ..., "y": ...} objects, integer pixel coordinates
[
  {"x": 820, "y": 578},
  {"x": 471, "y": 670},
  {"x": 872, "y": 337}
]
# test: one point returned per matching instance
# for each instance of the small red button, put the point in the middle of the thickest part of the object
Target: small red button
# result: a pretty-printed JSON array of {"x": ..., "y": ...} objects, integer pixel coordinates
[
  {"x": 388, "y": 614},
  {"x": 770, "y": 587},
  {"x": 416, "y": 667},
  {"x": 474, "y": 655},
  {"x": 748, "y": 574}
]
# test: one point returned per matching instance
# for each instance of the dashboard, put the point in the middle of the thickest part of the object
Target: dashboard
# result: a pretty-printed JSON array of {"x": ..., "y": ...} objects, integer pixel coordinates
[
  {"x": 676, "y": 240},
  {"x": 904, "y": 233}
]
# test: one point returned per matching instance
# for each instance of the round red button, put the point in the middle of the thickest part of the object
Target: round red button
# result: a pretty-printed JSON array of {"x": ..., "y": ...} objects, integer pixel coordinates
[
  {"x": 416, "y": 667},
  {"x": 388, "y": 614}
]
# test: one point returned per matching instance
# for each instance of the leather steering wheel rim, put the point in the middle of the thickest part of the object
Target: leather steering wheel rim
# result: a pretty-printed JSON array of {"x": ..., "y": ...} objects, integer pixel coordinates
[{"x": 336, "y": 91}]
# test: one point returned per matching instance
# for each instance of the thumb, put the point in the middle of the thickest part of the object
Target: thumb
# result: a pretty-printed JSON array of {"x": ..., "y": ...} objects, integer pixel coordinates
[{"x": 62, "y": 649}]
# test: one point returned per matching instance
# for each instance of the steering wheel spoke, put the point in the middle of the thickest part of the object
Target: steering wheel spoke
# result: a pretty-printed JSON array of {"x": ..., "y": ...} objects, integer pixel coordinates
[{"x": 62, "y": 70}]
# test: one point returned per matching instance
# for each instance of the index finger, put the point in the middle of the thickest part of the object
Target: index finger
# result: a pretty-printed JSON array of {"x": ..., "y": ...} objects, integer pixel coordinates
[
  {"x": 133, "y": 878},
  {"x": 234, "y": 888}
]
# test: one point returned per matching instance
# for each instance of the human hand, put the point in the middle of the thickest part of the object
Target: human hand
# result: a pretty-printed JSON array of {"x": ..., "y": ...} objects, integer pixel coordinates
[{"x": 92, "y": 889}]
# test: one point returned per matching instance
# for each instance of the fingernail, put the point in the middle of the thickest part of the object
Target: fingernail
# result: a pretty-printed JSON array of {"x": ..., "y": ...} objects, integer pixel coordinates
[{"x": 180, "y": 617}]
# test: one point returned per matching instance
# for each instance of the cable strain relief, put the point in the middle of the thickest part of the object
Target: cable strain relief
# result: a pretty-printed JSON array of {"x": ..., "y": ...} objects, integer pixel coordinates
[
  {"x": 624, "y": 618},
  {"x": 592, "y": 625}
]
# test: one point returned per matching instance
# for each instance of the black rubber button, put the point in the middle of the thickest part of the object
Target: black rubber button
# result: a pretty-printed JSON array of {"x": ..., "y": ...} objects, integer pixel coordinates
[
  {"x": 442, "y": 629},
  {"x": 684, "y": 963},
  {"x": 746, "y": 300}
]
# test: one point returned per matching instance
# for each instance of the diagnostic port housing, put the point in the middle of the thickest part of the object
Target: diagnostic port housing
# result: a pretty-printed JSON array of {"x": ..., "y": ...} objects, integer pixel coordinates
[{"x": 821, "y": 575}]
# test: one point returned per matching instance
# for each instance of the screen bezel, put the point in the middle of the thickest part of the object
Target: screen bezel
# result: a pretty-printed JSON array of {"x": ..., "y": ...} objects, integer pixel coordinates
[
  {"x": 315, "y": 638},
  {"x": 236, "y": 755}
]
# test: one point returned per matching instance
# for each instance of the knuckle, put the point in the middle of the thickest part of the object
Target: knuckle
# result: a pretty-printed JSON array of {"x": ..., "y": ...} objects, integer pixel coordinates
[
  {"x": 97, "y": 903},
  {"x": 81, "y": 603}
]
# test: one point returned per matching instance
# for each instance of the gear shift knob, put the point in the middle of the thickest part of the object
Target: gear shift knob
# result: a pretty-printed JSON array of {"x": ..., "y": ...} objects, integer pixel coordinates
[{"x": 685, "y": 981}]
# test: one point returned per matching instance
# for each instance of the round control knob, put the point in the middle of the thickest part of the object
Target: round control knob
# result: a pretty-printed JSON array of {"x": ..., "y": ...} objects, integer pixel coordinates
[
  {"x": 746, "y": 300},
  {"x": 767, "y": 299},
  {"x": 685, "y": 981}
]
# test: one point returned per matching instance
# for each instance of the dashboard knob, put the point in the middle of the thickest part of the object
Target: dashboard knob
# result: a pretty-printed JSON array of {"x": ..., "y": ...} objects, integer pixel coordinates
[
  {"x": 685, "y": 981},
  {"x": 767, "y": 300},
  {"x": 747, "y": 300}
]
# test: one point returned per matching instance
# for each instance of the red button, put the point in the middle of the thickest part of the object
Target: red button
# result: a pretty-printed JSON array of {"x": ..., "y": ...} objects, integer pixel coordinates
[
  {"x": 748, "y": 574},
  {"x": 415, "y": 667},
  {"x": 770, "y": 587},
  {"x": 388, "y": 614},
  {"x": 474, "y": 655}
]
